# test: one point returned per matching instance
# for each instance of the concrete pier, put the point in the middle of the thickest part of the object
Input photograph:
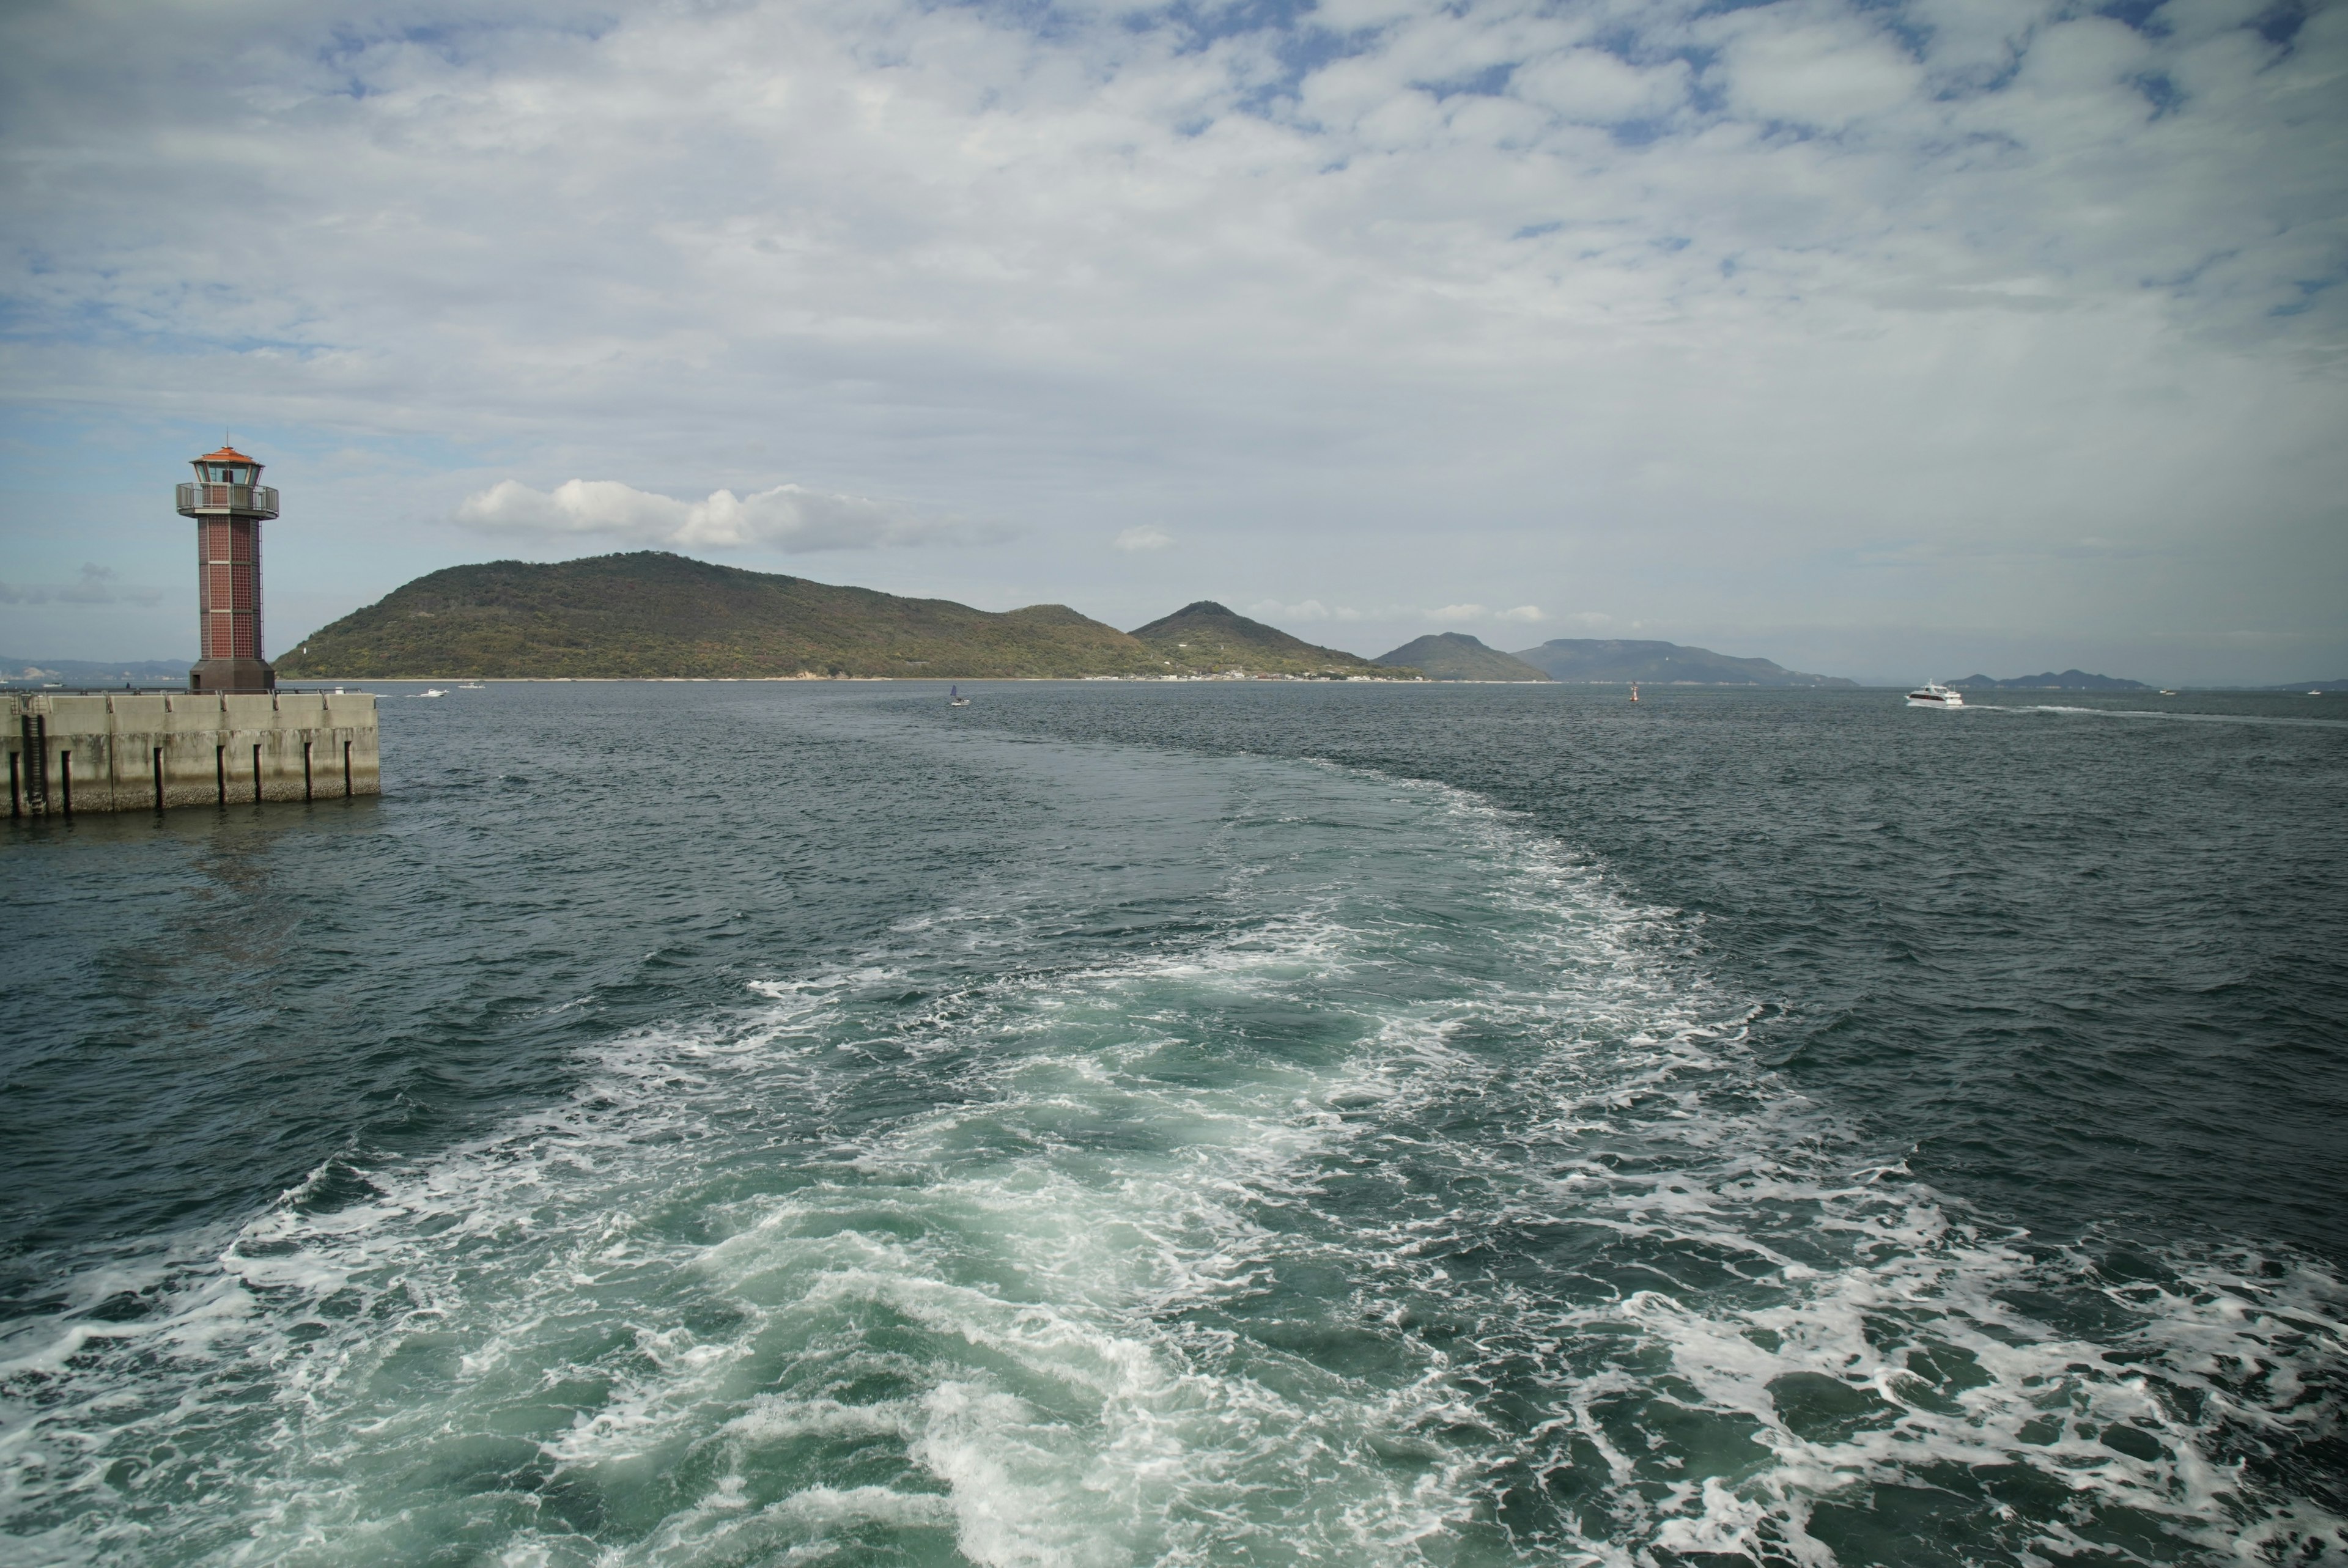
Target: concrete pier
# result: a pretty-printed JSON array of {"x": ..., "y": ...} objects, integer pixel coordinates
[{"x": 73, "y": 751}]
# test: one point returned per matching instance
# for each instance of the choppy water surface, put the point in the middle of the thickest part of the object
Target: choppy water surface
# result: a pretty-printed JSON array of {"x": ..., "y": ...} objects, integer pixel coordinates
[{"x": 754, "y": 1124}]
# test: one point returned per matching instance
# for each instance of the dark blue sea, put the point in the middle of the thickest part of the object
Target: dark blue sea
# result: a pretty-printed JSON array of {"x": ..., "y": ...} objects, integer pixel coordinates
[{"x": 1194, "y": 1125}]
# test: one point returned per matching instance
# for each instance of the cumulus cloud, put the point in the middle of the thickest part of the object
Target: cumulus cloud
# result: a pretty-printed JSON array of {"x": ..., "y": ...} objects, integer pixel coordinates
[
  {"x": 95, "y": 585},
  {"x": 1821, "y": 76},
  {"x": 1144, "y": 538},
  {"x": 1591, "y": 87},
  {"x": 1272, "y": 609},
  {"x": 788, "y": 518}
]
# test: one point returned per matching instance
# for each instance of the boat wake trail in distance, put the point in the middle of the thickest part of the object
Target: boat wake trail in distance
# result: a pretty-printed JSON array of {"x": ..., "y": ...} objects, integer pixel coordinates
[
  {"x": 2194, "y": 718},
  {"x": 2289, "y": 721}
]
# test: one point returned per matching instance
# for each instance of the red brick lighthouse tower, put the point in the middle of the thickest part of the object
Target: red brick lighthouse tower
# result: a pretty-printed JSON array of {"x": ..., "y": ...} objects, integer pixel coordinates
[{"x": 229, "y": 502}]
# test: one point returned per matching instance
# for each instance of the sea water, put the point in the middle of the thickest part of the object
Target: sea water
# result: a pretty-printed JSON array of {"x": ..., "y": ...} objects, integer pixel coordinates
[{"x": 1121, "y": 1124}]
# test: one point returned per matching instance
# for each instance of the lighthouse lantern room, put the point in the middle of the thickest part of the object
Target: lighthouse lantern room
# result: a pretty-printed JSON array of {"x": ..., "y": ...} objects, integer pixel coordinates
[{"x": 229, "y": 503}]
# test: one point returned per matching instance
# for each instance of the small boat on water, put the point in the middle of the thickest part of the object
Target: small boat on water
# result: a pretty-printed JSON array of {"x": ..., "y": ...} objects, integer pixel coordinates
[
  {"x": 1932, "y": 694},
  {"x": 433, "y": 692},
  {"x": 955, "y": 699},
  {"x": 1634, "y": 690}
]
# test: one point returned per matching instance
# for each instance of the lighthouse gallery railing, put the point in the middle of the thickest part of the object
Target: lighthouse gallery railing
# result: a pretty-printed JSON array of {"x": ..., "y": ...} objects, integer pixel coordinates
[{"x": 260, "y": 499}]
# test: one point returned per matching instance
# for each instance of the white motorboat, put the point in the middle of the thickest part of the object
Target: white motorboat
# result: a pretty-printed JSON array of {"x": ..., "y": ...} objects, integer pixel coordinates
[{"x": 1932, "y": 694}]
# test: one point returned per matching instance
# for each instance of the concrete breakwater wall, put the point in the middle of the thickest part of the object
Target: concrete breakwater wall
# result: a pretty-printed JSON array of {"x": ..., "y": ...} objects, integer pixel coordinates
[{"x": 123, "y": 752}]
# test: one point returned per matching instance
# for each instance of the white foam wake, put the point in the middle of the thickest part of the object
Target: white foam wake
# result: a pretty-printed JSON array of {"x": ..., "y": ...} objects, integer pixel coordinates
[{"x": 1430, "y": 1207}]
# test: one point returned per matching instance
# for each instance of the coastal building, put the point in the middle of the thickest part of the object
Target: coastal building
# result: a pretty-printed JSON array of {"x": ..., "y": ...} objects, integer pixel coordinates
[{"x": 231, "y": 738}]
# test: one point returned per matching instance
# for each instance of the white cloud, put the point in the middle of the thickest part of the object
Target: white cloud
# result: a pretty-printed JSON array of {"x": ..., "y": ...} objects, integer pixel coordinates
[
  {"x": 1823, "y": 76},
  {"x": 95, "y": 585},
  {"x": 1683, "y": 300},
  {"x": 788, "y": 518},
  {"x": 1144, "y": 538},
  {"x": 1463, "y": 613},
  {"x": 1273, "y": 610},
  {"x": 1593, "y": 87}
]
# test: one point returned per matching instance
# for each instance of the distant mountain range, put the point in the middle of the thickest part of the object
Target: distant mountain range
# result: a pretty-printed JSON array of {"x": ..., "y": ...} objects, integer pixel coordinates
[
  {"x": 94, "y": 672},
  {"x": 2068, "y": 680},
  {"x": 651, "y": 613},
  {"x": 1615, "y": 661},
  {"x": 1456, "y": 656}
]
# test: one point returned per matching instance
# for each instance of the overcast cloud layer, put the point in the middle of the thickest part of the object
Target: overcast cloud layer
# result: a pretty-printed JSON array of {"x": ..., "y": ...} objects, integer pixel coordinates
[{"x": 1893, "y": 341}]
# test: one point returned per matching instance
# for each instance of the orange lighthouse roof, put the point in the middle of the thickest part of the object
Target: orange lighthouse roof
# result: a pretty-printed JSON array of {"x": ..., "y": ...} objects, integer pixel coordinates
[{"x": 226, "y": 455}]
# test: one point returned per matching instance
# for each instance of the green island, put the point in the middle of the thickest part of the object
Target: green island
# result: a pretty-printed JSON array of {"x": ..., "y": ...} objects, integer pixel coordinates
[
  {"x": 1207, "y": 639},
  {"x": 1456, "y": 656},
  {"x": 652, "y": 614}
]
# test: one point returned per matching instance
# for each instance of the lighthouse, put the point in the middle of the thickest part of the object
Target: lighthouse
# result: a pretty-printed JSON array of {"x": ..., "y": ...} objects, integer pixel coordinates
[
  {"x": 229, "y": 502},
  {"x": 232, "y": 738}
]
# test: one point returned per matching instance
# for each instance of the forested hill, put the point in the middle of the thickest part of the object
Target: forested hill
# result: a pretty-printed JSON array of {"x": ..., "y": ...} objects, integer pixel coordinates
[
  {"x": 652, "y": 614},
  {"x": 1206, "y": 637},
  {"x": 1618, "y": 659},
  {"x": 1456, "y": 656}
]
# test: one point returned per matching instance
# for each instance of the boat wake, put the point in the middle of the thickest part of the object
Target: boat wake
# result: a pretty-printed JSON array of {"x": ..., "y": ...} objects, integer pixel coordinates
[
  {"x": 2281, "y": 720},
  {"x": 1427, "y": 1206}
]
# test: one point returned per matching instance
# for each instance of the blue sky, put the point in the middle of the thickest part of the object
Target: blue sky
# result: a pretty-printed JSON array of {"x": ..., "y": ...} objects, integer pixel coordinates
[{"x": 1887, "y": 340}]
